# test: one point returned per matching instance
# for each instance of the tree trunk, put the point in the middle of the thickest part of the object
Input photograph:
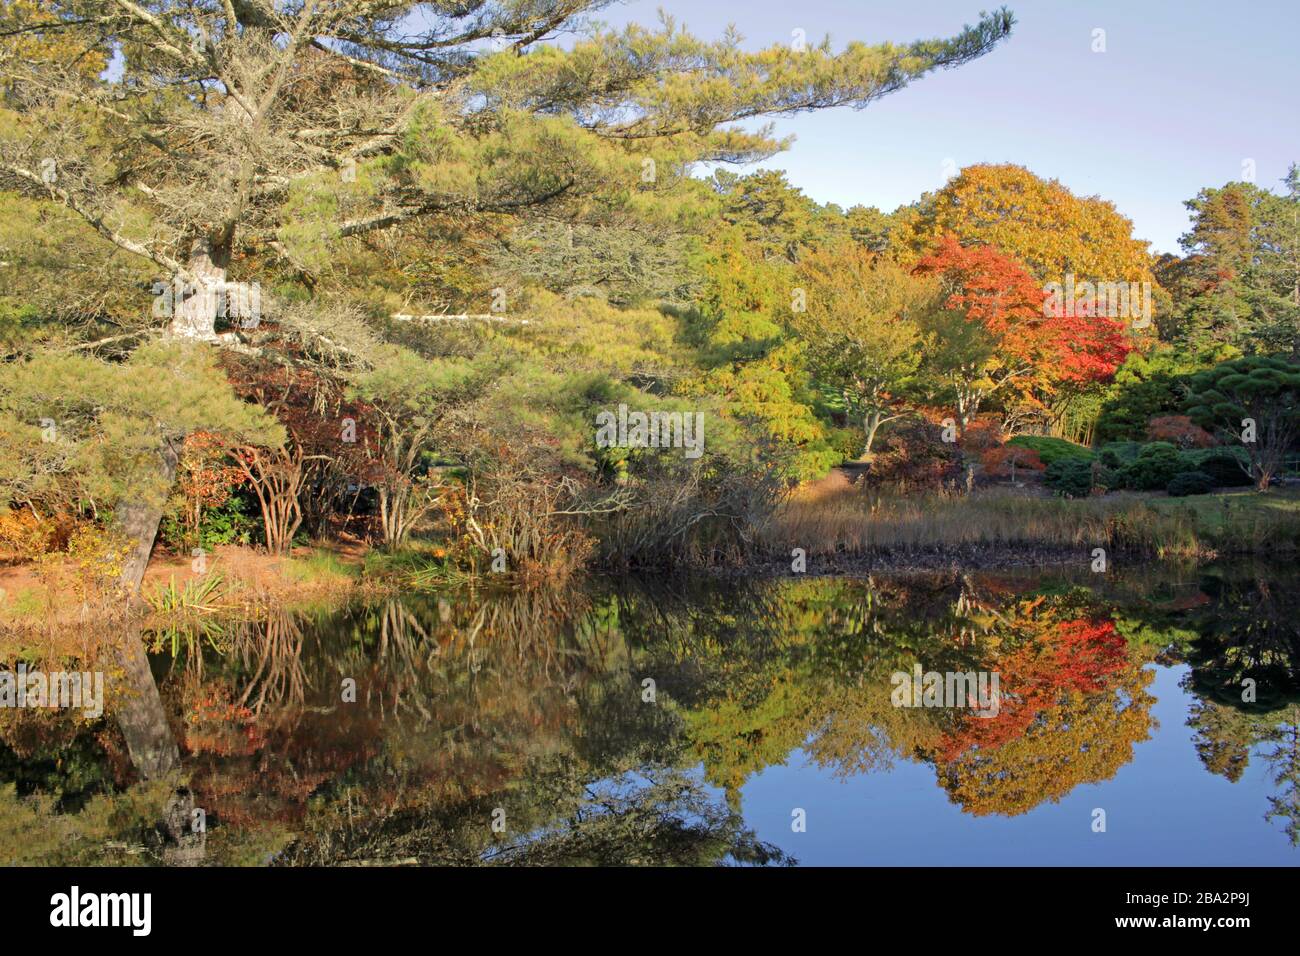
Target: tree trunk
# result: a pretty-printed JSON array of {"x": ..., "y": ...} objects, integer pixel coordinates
[
  {"x": 968, "y": 406},
  {"x": 140, "y": 714},
  {"x": 138, "y": 518},
  {"x": 871, "y": 425},
  {"x": 392, "y": 515},
  {"x": 194, "y": 311},
  {"x": 276, "y": 477},
  {"x": 194, "y": 316}
]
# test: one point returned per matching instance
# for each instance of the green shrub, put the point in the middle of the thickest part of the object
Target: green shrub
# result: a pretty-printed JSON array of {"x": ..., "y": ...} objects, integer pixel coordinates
[
  {"x": 1153, "y": 468},
  {"x": 233, "y": 522},
  {"x": 1190, "y": 483},
  {"x": 1225, "y": 466},
  {"x": 1070, "y": 477},
  {"x": 847, "y": 442},
  {"x": 1117, "y": 454},
  {"x": 1052, "y": 449},
  {"x": 230, "y": 523}
]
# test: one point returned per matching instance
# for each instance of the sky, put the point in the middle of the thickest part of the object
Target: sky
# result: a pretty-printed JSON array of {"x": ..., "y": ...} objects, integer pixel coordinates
[{"x": 1187, "y": 94}]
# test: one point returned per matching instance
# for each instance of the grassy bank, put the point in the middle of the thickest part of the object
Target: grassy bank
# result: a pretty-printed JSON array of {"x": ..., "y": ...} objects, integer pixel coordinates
[
  {"x": 984, "y": 530},
  {"x": 236, "y": 581},
  {"x": 1204, "y": 526},
  {"x": 44, "y": 599}
]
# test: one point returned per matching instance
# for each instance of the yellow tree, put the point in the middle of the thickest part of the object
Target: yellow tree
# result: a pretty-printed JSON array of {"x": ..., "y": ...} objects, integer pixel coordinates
[
  {"x": 1039, "y": 222},
  {"x": 1080, "y": 248},
  {"x": 860, "y": 330},
  {"x": 756, "y": 369}
]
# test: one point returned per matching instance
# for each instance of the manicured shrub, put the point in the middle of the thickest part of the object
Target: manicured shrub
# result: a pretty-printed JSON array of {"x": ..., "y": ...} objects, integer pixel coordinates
[
  {"x": 1154, "y": 467},
  {"x": 1050, "y": 450},
  {"x": 1070, "y": 477},
  {"x": 1117, "y": 454},
  {"x": 1262, "y": 389},
  {"x": 1190, "y": 483},
  {"x": 1227, "y": 467}
]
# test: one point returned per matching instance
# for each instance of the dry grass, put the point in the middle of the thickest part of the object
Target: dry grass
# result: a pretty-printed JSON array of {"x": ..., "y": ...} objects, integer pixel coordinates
[
  {"x": 848, "y": 521},
  {"x": 36, "y": 608}
]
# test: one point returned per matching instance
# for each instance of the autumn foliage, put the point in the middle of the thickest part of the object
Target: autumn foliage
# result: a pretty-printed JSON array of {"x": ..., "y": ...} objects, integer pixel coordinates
[
  {"x": 1008, "y": 459},
  {"x": 1178, "y": 430},
  {"x": 914, "y": 456},
  {"x": 326, "y": 447},
  {"x": 1039, "y": 353},
  {"x": 1067, "y": 657},
  {"x": 983, "y": 433},
  {"x": 206, "y": 477},
  {"x": 1036, "y": 221}
]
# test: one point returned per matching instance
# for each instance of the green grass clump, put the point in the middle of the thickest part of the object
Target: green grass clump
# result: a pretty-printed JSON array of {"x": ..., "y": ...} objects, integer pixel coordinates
[
  {"x": 202, "y": 595},
  {"x": 27, "y": 603},
  {"x": 319, "y": 566},
  {"x": 421, "y": 565}
]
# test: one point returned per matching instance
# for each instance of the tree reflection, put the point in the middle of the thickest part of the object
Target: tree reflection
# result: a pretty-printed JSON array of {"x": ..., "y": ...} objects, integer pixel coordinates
[
  {"x": 814, "y": 672},
  {"x": 620, "y": 723},
  {"x": 1246, "y": 665}
]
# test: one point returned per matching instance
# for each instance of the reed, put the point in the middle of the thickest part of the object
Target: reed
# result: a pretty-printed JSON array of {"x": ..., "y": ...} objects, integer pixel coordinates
[{"x": 865, "y": 523}]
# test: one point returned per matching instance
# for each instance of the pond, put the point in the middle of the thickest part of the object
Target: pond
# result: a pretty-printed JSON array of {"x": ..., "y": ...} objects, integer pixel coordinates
[{"x": 1147, "y": 717}]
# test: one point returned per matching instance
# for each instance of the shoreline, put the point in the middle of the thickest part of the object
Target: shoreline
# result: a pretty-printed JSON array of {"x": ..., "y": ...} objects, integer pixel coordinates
[
  {"x": 970, "y": 558},
  {"x": 857, "y": 535}
]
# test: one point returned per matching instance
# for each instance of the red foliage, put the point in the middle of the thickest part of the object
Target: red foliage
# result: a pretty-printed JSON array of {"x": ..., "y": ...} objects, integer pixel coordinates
[
  {"x": 914, "y": 454},
  {"x": 1007, "y": 459},
  {"x": 1070, "y": 657},
  {"x": 331, "y": 446},
  {"x": 205, "y": 478},
  {"x": 995, "y": 290},
  {"x": 311, "y": 408},
  {"x": 982, "y": 433},
  {"x": 1090, "y": 348},
  {"x": 991, "y": 288},
  {"x": 1178, "y": 430},
  {"x": 218, "y": 725}
]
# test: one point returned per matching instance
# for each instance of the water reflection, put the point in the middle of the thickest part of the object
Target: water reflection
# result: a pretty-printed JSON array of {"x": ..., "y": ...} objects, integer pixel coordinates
[
  {"x": 1250, "y": 647},
  {"x": 630, "y": 722}
]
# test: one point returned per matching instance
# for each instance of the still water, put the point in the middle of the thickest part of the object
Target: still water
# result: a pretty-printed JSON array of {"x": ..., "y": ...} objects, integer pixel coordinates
[{"x": 1147, "y": 717}]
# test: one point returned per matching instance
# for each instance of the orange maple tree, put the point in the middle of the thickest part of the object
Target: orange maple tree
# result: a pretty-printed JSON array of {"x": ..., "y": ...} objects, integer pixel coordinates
[
  {"x": 1065, "y": 657},
  {"x": 1022, "y": 351}
]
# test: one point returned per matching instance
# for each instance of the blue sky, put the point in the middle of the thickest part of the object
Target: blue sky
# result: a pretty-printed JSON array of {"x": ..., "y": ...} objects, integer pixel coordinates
[{"x": 1186, "y": 92}]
